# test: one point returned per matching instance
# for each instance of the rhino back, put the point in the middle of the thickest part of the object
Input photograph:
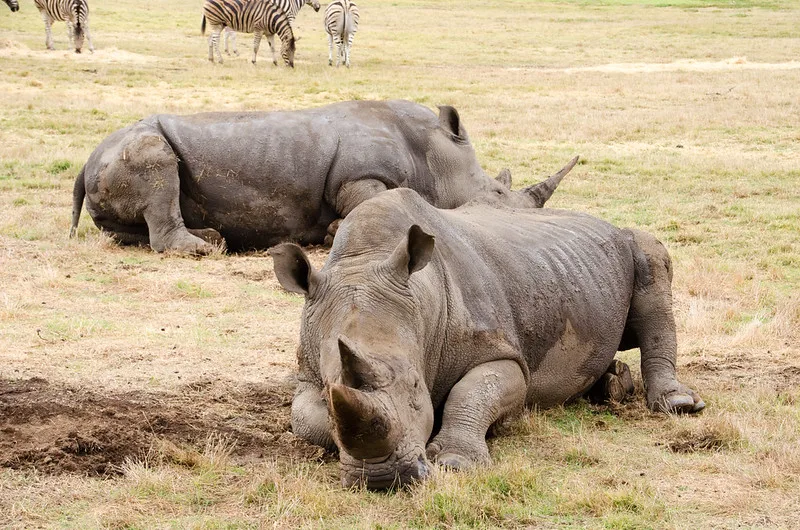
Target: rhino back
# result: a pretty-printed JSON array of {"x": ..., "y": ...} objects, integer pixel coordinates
[
  {"x": 547, "y": 288},
  {"x": 253, "y": 175},
  {"x": 382, "y": 140}
]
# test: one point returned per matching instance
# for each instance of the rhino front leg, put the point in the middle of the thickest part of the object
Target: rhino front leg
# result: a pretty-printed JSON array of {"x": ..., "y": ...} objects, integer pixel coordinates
[
  {"x": 350, "y": 195},
  {"x": 485, "y": 395},
  {"x": 652, "y": 324},
  {"x": 310, "y": 416}
]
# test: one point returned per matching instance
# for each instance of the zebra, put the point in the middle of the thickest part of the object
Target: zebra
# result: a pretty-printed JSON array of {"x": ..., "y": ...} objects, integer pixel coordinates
[
  {"x": 74, "y": 12},
  {"x": 291, "y": 7},
  {"x": 341, "y": 24},
  {"x": 249, "y": 16},
  {"x": 14, "y": 6}
]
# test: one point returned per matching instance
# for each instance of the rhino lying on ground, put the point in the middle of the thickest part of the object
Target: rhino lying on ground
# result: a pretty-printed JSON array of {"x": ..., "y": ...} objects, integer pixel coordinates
[
  {"x": 259, "y": 178},
  {"x": 458, "y": 318}
]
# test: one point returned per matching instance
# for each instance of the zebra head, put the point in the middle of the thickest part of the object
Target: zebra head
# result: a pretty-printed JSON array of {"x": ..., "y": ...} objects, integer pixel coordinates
[
  {"x": 287, "y": 50},
  {"x": 312, "y": 3},
  {"x": 14, "y": 6}
]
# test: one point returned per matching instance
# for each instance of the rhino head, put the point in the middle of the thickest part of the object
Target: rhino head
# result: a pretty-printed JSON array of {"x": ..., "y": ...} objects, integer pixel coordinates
[
  {"x": 533, "y": 196},
  {"x": 459, "y": 178},
  {"x": 362, "y": 323}
]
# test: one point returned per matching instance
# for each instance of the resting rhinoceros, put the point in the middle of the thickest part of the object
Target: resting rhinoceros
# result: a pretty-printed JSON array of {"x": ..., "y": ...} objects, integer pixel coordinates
[
  {"x": 458, "y": 318},
  {"x": 258, "y": 178}
]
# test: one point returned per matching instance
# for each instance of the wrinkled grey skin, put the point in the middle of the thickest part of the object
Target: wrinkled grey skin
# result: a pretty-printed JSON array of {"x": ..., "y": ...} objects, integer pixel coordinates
[
  {"x": 458, "y": 318},
  {"x": 259, "y": 178}
]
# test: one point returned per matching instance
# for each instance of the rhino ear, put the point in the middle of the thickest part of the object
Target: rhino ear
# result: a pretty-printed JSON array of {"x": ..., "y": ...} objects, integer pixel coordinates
[
  {"x": 358, "y": 371},
  {"x": 450, "y": 121},
  {"x": 412, "y": 253},
  {"x": 292, "y": 268},
  {"x": 504, "y": 178}
]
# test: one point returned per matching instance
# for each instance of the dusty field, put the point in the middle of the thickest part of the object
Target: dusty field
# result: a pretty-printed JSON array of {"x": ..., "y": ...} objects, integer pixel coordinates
[{"x": 140, "y": 390}]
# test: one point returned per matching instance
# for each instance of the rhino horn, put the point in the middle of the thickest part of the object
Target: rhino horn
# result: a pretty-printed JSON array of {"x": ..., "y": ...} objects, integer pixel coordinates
[
  {"x": 504, "y": 178},
  {"x": 361, "y": 423},
  {"x": 412, "y": 253},
  {"x": 542, "y": 191},
  {"x": 358, "y": 370}
]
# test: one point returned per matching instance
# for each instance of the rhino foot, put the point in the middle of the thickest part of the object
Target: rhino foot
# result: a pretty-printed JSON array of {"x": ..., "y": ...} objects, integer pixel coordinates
[
  {"x": 209, "y": 235},
  {"x": 458, "y": 455},
  {"x": 185, "y": 244},
  {"x": 614, "y": 385},
  {"x": 678, "y": 399},
  {"x": 332, "y": 229}
]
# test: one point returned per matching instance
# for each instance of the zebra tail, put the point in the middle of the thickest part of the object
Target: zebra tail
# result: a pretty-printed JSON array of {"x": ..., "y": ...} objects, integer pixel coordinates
[
  {"x": 203, "y": 26},
  {"x": 78, "y": 194}
]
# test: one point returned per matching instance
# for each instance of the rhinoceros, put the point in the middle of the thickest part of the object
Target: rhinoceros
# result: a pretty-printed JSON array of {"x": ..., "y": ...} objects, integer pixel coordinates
[
  {"x": 259, "y": 178},
  {"x": 422, "y": 316}
]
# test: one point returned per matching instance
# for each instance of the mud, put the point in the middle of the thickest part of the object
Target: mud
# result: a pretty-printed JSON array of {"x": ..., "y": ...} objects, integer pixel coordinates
[{"x": 57, "y": 429}]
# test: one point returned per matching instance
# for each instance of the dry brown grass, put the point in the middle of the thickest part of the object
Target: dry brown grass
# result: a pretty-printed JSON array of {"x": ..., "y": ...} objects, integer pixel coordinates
[{"x": 685, "y": 116}]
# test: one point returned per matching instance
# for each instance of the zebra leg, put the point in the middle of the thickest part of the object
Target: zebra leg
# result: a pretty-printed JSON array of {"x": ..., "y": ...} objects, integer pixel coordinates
[
  {"x": 347, "y": 51},
  {"x": 47, "y": 31},
  {"x": 338, "y": 40},
  {"x": 257, "y": 44},
  {"x": 271, "y": 41},
  {"x": 214, "y": 46},
  {"x": 88, "y": 35},
  {"x": 70, "y": 32},
  {"x": 330, "y": 49}
]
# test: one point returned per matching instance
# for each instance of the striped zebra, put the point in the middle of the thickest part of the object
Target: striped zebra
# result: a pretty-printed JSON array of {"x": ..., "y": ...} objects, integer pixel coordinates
[
  {"x": 12, "y": 5},
  {"x": 74, "y": 12},
  {"x": 291, "y": 7},
  {"x": 341, "y": 24},
  {"x": 249, "y": 16}
]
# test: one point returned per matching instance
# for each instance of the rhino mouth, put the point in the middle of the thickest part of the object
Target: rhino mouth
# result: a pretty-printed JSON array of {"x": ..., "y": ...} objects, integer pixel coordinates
[{"x": 397, "y": 470}]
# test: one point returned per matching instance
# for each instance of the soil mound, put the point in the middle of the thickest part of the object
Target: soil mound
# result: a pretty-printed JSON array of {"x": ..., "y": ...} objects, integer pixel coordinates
[{"x": 59, "y": 429}]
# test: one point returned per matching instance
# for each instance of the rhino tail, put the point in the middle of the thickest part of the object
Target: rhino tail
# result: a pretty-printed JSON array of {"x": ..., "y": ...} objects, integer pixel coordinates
[
  {"x": 78, "y": 194},
  {"x": 542, "y": 191}
]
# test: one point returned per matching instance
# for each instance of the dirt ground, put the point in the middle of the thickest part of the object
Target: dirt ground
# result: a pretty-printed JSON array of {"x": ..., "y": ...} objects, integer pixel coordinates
[{"x": 55, "y": 429}]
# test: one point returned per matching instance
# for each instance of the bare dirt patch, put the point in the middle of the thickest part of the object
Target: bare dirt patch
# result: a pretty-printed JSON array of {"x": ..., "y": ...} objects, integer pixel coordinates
[
  {"x": 58, "y": 429},
  {"x": 17, "y": 50}
]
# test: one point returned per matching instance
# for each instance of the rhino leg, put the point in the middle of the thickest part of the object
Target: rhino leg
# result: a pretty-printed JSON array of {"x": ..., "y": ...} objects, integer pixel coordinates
[
  {"x": 350, "y": 195},
  {"x": 487, "y": 393},
  {"x": 614, "y": 385},
  {"x": 310, "y": 416},
  {"x": 651, "y": 327},
  {"x": 209, "y": 235},
  {"x": 138, "y": 184}
]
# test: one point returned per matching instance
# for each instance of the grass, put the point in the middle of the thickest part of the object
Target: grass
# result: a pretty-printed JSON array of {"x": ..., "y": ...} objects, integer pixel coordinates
[{"x": 684, "y": 114}]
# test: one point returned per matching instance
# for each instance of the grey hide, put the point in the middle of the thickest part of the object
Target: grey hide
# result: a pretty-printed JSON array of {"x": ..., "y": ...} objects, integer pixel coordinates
[
  {"x": 423, "y": 317},
  {"x": 259, "y": 178}
]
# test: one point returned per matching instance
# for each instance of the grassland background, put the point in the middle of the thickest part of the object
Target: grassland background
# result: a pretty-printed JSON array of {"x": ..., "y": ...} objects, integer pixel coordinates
[{"x": 686, "y": 116}]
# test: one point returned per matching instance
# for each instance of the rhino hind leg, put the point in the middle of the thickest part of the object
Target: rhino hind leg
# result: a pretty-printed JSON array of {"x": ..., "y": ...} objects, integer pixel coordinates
[
  {"x": 137, "y": 184},
  {"x": 615, "y": 385},
  {"x": 652, "y": 326}
]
